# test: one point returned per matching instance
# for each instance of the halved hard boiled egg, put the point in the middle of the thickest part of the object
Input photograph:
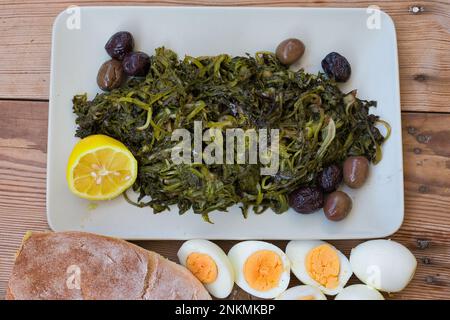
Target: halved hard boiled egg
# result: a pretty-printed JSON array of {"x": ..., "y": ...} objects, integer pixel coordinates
[
  {"x": 303, "y": 292},
  {"x": 261, "y": 269},
  {"x": 209, "y": 264},
  {"x": 359, "y": 292},
  {"x": 318, "y": 263}
]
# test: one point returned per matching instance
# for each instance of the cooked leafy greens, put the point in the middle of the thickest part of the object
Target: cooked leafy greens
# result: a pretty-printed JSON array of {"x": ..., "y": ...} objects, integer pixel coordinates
[{"x": 319, "y": 125}]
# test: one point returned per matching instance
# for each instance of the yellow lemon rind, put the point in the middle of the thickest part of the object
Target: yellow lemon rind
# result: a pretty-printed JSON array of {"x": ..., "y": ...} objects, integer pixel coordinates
[{"x": 101, "y": 142}]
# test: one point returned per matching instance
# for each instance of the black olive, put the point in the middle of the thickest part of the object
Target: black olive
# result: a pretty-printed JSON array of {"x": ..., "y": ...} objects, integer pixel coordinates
[
  {"x": 306, "y": 199},
  {"x": 337, "y": 206},
  {"x": 336, "y": 67},
  {"x": 289, "y": 51},
  {"x": 119, "y": 45},
  {"x": 330, "y": 178},
  {"x": 110, "y": 75},
  {"x": 136, "y": 64}
]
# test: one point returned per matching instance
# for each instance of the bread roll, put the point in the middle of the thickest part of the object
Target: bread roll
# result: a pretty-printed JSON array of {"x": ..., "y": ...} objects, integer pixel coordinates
[{"x": 77, "y": 265}]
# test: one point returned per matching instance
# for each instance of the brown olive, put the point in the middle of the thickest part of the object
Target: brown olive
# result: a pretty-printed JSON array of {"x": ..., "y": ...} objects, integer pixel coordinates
[
  {"x": 337, "y": 206},
  {"x": 119, "y": 45},
  {"x": 110, "y": 75},
  {"x": 336, "y": 67},
  {"x": 136, "y": 64},
  {"x": 290, "y": 50},
  {"x": 306, "y": 199},
  {"x": 356, "y": 170},
  {"x": 330, "y": 178}
]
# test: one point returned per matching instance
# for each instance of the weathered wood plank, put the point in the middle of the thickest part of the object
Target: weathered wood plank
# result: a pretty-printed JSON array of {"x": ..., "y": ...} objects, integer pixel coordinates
[
  {"x": 23, "y": 144},
  {"x": 423, "y": 42},
  {"x": 426, "y": 230}
]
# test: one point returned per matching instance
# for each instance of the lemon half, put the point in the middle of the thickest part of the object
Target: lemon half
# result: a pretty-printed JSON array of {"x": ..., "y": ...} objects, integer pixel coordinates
[{"x": 100, "y": 168}]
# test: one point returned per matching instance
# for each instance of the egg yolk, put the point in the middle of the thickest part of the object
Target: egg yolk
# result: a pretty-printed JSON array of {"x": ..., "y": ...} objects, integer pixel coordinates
[
  {"x": 322, "y": 264},
  {"x": 202, "y": 267},
  {"x": 263, "y": 270},
  {"x": 306, "y": 298}
]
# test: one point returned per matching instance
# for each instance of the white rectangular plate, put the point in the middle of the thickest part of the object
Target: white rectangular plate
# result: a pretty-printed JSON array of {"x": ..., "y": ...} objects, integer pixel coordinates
[{"x": 77, "y": 54}]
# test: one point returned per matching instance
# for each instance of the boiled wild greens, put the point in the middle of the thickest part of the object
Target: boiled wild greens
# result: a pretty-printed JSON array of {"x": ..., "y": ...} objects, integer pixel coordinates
[{"x": 319, "y": 125}]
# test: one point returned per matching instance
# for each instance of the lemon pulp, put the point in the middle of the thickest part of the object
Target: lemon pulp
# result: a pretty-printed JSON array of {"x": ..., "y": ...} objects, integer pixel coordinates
[{"x": 100, "y": 168}]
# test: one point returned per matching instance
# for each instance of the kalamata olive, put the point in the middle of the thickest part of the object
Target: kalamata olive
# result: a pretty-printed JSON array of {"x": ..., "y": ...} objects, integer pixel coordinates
[
  {"x": 289, "y": 51},
  {"x": 337, "y": 206},
  {"x": 336, "y": 67},
  {"x": 306, "y": 199},
  {"x": 119, "y": 45},
  {"x": 330, "y": 178},
  {"x": 136, "y": 64},
  {"x": 110, "y": 75},
  {"x": 356, "y": 170}
]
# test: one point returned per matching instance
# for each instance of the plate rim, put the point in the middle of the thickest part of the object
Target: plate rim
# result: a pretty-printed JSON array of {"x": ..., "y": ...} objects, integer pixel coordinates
[{"x": 51, "y": 114}]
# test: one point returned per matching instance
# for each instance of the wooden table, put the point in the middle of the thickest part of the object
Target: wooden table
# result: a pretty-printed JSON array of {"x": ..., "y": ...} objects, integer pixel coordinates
[{"x": 424, "y": 49}]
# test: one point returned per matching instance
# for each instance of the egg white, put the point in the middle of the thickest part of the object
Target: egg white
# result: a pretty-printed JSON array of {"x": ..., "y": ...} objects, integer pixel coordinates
[
  {"x": 359, "y": 292},
  {"x": 297, "y": 251},
  {"x": 239, "y": 254},
  {"x": 383, "y": 264},
  {"x": 222, "y": 286},
  {"x": 297, "y": 292}
]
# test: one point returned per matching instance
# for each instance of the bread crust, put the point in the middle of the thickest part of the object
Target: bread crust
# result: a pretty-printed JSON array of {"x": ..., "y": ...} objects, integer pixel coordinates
[{"x": 84, "y": 266}]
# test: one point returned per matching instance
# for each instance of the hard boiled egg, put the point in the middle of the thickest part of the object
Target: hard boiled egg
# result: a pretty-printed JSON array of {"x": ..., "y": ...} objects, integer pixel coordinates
[
  {"x": 319, "y": 264},
  {"x": 304, "y": 292},
  {"x": 383, "y": 264},
  {"x": 209, "y": 264},
  {"x": 359, "y": 292},
  {"x": 261, "y": 268}
]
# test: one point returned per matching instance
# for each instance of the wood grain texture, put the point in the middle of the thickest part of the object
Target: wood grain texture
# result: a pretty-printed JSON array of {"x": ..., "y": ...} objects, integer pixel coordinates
[
  {"x": 23, "y": 144},
  {"x": 423, "y": 43},
  {"x": 426, "y": 229}
]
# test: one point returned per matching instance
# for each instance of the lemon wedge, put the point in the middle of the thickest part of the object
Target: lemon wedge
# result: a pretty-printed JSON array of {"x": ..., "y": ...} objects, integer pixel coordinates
[{"x": 100, "y": 168}]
